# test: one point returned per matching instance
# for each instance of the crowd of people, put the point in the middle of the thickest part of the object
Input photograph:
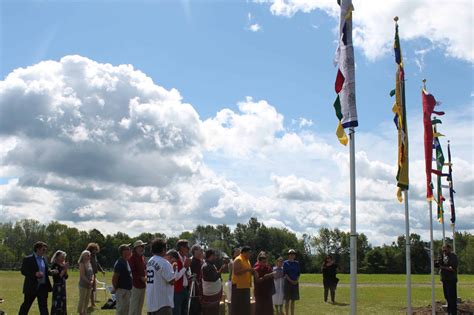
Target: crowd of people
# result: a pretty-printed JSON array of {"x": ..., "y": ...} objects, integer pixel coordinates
[{"x": 187, "y": 281}]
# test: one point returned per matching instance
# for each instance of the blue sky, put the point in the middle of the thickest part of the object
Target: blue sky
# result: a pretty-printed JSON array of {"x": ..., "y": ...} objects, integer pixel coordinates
[{"x": 206, "y": 50}]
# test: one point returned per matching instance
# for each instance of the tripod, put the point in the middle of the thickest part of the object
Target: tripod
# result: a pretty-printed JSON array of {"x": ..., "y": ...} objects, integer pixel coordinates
[{"x": 192, "y": 292}]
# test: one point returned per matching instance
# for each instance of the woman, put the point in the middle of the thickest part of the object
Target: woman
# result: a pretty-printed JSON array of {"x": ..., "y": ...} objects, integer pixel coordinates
[
  {"x": 59, "y": 268},
  {"x": 329, "y": 269},
  {"x": 278, "y": 280},
  {"x": 94, "y": 249},
  {"x": 264, "y": 287},
  {"x": 86, "y": 281}
]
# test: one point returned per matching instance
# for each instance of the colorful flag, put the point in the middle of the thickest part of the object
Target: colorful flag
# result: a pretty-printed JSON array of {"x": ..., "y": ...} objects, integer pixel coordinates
[
  {"x": 429, "y": 103},
  {"x": 451, "y": 187},
  {"x": 439, "y": 167},
  {"x": 345, "y": 103},
  {"x": 400, "y": 119}
]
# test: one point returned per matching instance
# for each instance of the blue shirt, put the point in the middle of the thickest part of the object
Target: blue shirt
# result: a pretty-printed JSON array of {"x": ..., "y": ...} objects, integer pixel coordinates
[
  {"x": 292, "y": 269},
  {"x": 41, "y": 267},
  {"x": 125, "y": 274}
]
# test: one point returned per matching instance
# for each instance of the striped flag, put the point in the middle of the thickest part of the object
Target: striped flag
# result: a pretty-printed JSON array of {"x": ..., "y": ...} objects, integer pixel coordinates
[
  {"x": 345, "y": 103},
  {"x": 439, "y": 167},
  {"x": 451, "y": 187},
  {"x": 400, "y": 118}
]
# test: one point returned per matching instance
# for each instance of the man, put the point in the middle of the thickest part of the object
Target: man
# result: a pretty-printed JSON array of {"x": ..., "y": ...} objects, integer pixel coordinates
[
  {"x": 138, "y": 267},
  {"x": 160, "y": 281},
  {"x": 122, "y": 280},
  {"x": 241, "y": 283},
  {"x": 448, "y": 265},
  {"x": 291, "y": 272},
  {"x": 36, "y": 285},
  {"x": 181, "y": 292},
  {"x": 96, "y": 267},
  {"x": 211, "y": 284}
]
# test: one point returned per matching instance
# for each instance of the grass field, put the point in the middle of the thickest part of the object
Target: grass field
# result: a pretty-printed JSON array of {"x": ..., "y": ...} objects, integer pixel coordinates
[{"x": 377, "y": 294}]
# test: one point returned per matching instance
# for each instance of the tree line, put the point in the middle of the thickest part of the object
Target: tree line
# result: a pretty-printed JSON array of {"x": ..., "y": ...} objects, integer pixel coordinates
[{"x": 17, "y": 239}]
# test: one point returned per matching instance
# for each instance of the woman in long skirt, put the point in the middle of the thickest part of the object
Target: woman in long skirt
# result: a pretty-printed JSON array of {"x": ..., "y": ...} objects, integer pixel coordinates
[
  {"x": 264, "y": 287},
  {"x": 59, "y": 270},
  {"x": 279, "y": 282},
  {"x": 329, "y": 270}
]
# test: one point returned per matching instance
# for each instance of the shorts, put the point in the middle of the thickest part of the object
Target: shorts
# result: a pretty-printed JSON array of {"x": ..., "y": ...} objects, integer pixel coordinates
[{"x": 291, "y": 291}]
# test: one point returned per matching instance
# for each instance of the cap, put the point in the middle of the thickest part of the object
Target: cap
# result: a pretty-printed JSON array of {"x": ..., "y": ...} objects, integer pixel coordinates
[
  {"x": 139, "y": 243},
  {"x": 292, "y": 251},
  {"x": 123, "y": 247}
]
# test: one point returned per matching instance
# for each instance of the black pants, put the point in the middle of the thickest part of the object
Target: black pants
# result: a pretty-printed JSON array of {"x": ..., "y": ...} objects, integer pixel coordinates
[
  {"x": 42, "y": 295},
  {"x": 451, "y": 296},
  {"x": 332, "y": 288},
  {"x": 240, "y": 304}
]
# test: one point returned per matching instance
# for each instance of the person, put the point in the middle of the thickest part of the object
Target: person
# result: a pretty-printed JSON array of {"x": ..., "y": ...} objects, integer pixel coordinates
[
  {"x": 181, "y": 292},
  {"x": 86, "y": 281},
  {"x": 291, "y": 271},
  {"x": 160, "y": 281},
  {"x": 448, "y": 265},
  {"x": 122, "y": 280},
  {"x": 329, "y": 270},
  {"x": 196, "y": 264},
  {"x": 172, "y": 256},
  {"x": 211, "y": 284},
  {"x": 138, "y": 267},
  {"x": 60, "y": 266},
  {"x": 264, "y": 286},
  {"x": 278, "y": 280},
  {"x": 94, "y": 249},
  {"x": 36, "y": 284},
  {"x": 241, "y": 283}
]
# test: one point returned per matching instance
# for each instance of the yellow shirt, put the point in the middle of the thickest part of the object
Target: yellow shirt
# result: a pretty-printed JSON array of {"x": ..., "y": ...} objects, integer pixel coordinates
[{"x": 244, "y": 280}]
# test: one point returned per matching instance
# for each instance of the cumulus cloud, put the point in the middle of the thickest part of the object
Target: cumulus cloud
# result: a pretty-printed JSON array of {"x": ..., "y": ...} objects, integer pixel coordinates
[
  {"x": 373, "y": 22},
  {"x": 94, "y": 144}
]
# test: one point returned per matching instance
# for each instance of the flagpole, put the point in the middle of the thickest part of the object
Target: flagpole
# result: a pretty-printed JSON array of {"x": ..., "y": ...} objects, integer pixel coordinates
[
  {"x": 430, "y": 205},
  {"x": 408, "y": 253},
  {"x": 353, "y": 239},
  {"x": 433, "y": 301}
]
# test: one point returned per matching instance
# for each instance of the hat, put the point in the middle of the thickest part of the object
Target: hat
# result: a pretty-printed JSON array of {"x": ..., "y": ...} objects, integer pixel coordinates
[
  {"x": 123, "y": 247},
  {"x": 139, "y": 243},
  {"x": 291, "y": 251}
]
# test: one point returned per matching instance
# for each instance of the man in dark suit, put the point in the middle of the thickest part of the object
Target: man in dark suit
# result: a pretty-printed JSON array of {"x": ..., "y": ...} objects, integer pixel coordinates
[{"x": 37, "y": 284}]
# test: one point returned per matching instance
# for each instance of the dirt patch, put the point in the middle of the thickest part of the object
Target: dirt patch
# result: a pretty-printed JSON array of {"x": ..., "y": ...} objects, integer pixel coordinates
[{"x": 464, "y": 308}]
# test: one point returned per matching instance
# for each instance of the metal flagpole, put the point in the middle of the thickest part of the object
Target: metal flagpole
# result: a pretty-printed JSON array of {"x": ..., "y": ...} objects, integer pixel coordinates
[
  {"x": 353, "y": 222},
  {"x": 430, "y": 205},
  {"x": 408, "y": 253},
  {"x": 433, "y": 301}
]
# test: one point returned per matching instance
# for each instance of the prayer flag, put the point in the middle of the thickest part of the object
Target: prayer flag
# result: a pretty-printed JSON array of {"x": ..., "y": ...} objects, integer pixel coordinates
[
  {"x": 400, "y": 119},
  {"x": 429, "y": 103},
  {"x": 344, "y": 86}
]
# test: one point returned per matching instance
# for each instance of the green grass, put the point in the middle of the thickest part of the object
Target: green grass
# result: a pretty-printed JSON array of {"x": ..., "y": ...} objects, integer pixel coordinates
[{"x": 377, "y": 294}]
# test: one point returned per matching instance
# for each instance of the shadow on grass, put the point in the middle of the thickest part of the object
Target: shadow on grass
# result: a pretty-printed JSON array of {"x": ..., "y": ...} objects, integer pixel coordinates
[{"x": 341, "y": 304}]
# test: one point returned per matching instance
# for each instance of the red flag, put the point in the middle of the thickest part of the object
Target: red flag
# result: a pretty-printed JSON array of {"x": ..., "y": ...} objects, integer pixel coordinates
[{"x": 429, "y": 103}]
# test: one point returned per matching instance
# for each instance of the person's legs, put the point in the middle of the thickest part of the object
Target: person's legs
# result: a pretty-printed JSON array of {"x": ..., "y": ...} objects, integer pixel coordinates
[
  {"x": 287, "y": 307},
  {"x": 178, "y": 299},
  {"x": 27, "y": 301},
  {"x": 326, "y": 291},
  {"x": 123, "y": 302},
  {"x": 184, "y": 303},
  {"x": 43, "y": 300},
  {"x": 333, "y": 293},
  {"x": 452, "y": 297},
  {"x": 83, "y": 301},
  {"x": 292, "y": 307},
  {"x": 93, "y": 293}
]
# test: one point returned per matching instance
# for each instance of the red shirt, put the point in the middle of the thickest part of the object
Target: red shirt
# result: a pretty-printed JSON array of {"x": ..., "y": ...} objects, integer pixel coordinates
[{"x": 138, "y": 266}]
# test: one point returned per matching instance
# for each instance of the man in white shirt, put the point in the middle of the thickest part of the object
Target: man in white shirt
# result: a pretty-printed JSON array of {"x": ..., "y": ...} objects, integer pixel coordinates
[{"x": 160, "y": 281}]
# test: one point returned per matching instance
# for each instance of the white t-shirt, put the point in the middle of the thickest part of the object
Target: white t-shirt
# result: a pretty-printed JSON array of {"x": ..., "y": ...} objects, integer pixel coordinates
[{"x": 159, "y": 292}]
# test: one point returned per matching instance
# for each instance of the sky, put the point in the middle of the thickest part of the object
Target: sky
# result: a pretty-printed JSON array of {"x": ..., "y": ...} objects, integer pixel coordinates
[{"x": 161, "y": 115}]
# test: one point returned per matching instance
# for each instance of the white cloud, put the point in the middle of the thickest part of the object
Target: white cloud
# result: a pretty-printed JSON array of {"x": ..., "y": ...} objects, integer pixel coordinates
[
  {"x": 93, "y": 144},
  {"x": 448, "y": 25},
  {"x": 252, "y": 25}
]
